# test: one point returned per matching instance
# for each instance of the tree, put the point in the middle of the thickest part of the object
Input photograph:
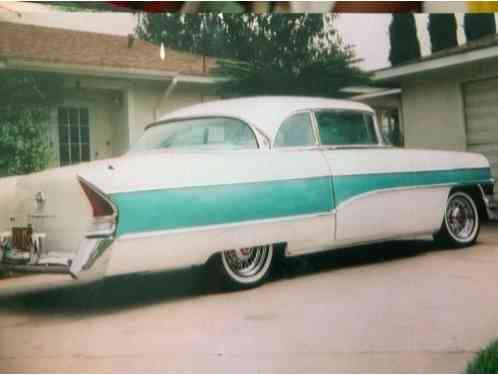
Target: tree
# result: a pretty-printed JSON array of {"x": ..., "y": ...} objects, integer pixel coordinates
[
  {"x": 287, "y": 54},
  {"x": 201, "y": 34},
  {"x": 442, "y": 31},
  {"x": 403, "y": 38},
  {"x": 24, "y": 113},
  {"x": 477, "y": 25}
]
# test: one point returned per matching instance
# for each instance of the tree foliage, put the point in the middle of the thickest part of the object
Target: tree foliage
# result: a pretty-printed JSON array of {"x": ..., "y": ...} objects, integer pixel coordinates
[
  {"x": 486, "y": 361},
  {"x": 271, "y": 54},
  {"x": 477, "y": 25},
  {"x": 201, "y": 34},
  {"x": 24, "y": 113},
  {"x": 442, "y": 31},
  {"x": 403, "y": 37}
]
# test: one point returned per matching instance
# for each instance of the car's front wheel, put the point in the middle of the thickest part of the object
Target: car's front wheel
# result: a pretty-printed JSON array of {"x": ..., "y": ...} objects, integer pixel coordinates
[
  {"x": 245, "y": 267},
  {"x": 461, "y": 223}
]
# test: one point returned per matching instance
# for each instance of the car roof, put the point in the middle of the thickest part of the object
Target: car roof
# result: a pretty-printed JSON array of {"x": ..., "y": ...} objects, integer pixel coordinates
[{"x": 265, "y": 112}]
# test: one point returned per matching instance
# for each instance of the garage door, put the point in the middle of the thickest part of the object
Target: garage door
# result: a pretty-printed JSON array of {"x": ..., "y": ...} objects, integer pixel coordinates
[{"x": 481, "y": 113}]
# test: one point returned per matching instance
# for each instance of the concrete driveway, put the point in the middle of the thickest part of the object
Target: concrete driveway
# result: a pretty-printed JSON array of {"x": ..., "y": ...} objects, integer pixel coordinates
[{"x": 403, "y": 306}]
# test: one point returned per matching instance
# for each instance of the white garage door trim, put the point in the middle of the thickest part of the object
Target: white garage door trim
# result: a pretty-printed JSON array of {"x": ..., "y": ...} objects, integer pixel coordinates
[{"x": 481, "y": 119}]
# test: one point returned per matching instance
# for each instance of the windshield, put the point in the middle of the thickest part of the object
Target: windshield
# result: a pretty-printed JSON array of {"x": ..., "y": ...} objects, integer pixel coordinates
[
  {"x": 200, "y": 133},
  {"x": 340, "y": 128}
]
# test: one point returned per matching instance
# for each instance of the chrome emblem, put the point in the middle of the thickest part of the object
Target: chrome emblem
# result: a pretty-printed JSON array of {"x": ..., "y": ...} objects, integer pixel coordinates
[{"x": 40, "y": 200}]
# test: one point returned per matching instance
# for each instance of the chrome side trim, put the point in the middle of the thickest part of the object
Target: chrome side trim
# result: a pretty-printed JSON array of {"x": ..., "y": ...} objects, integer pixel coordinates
[
  {"x": 402, "y": 188},
  {"x": 220, "y": 226},
  {"x": 321, "y": 175}
]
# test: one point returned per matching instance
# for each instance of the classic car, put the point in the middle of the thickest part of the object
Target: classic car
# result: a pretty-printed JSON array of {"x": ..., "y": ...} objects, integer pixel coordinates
[{"x": 234, "y": 183}]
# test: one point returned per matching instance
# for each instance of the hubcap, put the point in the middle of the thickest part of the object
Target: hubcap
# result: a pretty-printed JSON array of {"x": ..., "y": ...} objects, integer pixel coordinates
[
  {"x": 461, "y": 218},
  {"x": 247, "y": 262}
]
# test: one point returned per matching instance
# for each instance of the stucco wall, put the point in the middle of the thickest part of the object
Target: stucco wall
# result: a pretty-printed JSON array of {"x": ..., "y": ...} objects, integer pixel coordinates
[
  {"x": 433, "y": 115},
  {"x": 102, "y": 108},
  {"x": 432, "y": 106},
  {"x": 149, "y": 103},
  {"x": 119, "y": 127},
  {"x": 120, "y": 109}
]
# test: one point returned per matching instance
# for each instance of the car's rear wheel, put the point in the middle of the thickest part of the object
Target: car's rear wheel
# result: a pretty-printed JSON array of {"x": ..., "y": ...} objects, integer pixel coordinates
[
  {"x": 245, "y": 267},
  {"x": 461, "y": 223}
]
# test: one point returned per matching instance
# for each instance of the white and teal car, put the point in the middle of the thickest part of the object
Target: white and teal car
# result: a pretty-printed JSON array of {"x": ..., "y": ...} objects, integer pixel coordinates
[{"x": 230, "y": 182}]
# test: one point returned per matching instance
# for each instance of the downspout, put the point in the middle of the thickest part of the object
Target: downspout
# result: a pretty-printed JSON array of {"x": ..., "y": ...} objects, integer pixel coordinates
[{"x": 171, "y": 87}]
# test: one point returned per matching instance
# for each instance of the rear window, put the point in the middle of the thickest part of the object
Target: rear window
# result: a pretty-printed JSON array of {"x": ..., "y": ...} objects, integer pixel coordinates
[
  {"x": 199, "y": 133},
  {"x": 338, "y": 128}
]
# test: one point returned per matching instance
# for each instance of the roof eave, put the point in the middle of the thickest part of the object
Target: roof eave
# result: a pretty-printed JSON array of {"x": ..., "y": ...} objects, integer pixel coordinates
[
  {"x": 377, "y": 94},
  {"x": 105, "y": 71},
  {"x": 398, "y": 72}
]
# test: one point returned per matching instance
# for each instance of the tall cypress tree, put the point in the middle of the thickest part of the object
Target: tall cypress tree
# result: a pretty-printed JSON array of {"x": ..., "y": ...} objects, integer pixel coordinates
[
  {"x": 477, "y": 25},
  {"x": 403, "y": 38},
  {"x": 442, "y": 31}
]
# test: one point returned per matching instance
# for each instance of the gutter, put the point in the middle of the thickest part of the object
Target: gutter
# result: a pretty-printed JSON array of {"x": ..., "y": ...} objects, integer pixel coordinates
[
  {"x": 169, "y": 90},
  {"x": 377, "y": 94},
  {"x": 185, "y": 79},
  {"x": 103, "y": 71},
  {"x": 436, "y": 63}
]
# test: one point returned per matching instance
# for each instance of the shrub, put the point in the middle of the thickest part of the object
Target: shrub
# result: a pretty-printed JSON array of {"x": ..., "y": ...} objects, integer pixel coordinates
[
  {"x": 486, "y": 361},
  {"x": 27, "y": 98}
]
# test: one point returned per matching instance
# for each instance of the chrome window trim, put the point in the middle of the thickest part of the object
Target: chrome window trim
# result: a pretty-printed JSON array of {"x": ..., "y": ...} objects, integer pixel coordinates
[
  {"x": 262, "y": 139},
  {"x": 379, "y": 144},
  {"x": 316, "y": 140}
]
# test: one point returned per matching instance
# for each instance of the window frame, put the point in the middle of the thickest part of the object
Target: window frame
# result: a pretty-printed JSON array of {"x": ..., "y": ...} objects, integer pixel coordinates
[
  {"x": 259, "y": 136},
  {"x": 313, "y": 129},
  {"x": 380, "y": 141},
  {"x": 55, "y": 139}
]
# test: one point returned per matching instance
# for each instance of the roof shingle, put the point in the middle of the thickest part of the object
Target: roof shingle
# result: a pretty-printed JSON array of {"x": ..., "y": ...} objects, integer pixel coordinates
[{"x": 62, "y": 46}]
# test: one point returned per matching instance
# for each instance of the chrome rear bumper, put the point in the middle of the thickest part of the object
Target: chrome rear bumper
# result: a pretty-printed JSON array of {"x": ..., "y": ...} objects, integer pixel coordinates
[{"x": 88, "y": 264}]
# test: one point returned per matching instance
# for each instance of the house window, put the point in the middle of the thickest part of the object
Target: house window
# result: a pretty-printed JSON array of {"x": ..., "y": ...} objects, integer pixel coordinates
[{"x": 74, "y": 135}]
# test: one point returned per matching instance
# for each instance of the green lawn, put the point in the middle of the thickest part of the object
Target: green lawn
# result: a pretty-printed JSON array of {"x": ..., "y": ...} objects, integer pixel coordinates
[{"x": 486, "y": 361}]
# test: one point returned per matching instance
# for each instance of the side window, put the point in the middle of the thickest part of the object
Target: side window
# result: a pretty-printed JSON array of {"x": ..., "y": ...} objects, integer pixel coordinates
[
  {"x": 338, "y": 128},
  {"x": 295, "y": 131}
]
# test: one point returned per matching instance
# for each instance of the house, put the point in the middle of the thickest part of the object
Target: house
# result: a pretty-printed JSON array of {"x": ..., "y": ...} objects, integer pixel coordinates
[
  {"x": 448, "y": 100},
  {"x": 113, "y": 85}
]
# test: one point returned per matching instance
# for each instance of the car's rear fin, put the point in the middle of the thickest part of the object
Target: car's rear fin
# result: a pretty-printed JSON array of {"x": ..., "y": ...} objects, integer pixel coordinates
[{"x": 104, "y": 211}]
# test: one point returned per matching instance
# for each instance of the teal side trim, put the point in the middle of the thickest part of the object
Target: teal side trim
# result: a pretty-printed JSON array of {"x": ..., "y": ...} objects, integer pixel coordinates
[
  {"x": 347, "y": 187},
  {"x": 167, "y": 209},
  {"x": 189, "y": 207}
]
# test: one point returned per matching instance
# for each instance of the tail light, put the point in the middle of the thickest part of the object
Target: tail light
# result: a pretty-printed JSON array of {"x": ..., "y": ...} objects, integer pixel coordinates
[{"x": 104, "y": 211}]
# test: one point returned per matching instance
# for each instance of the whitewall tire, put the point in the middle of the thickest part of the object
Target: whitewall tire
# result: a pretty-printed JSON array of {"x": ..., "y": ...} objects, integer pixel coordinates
[
  {"x": 246, "y": 267},
  {"x": 461, "y": 224}
]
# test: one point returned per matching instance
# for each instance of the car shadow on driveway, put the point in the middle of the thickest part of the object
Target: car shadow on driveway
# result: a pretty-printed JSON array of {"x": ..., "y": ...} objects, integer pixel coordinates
[{"x": 134, "y": 291}]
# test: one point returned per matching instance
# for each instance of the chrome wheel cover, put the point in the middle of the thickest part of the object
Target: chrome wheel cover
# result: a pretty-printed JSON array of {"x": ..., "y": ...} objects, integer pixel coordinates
[
  {"x": 461, "y": 217},
  {"x": 247, "y": 264}
]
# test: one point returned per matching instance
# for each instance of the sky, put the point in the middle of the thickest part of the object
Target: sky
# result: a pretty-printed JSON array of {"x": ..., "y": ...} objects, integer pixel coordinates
[
  {"x": 367, "y": 33},
  {"x": 374, "y": 27}
]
